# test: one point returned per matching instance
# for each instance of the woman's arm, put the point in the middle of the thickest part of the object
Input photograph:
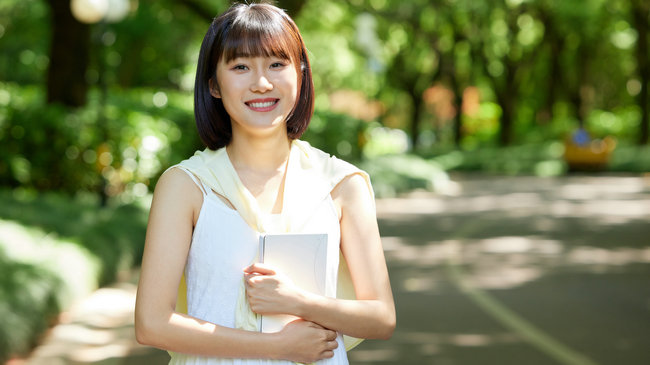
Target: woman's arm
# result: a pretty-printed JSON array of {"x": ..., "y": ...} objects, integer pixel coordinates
[
  {"x": 174, "y": 210},
  {"x": 372, "y": 315}
]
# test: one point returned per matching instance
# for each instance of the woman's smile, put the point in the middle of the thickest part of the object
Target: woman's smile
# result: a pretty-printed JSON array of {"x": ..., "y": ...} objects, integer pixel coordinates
[{"x": 262, "y": 105}]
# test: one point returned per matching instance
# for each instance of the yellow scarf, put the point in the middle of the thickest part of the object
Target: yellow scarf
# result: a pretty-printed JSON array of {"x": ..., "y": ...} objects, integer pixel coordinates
[{"x": 311, "y": 175}]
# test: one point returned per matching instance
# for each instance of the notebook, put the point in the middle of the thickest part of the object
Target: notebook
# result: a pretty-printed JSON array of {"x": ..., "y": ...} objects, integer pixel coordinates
[{"x": 303, "y": 258}]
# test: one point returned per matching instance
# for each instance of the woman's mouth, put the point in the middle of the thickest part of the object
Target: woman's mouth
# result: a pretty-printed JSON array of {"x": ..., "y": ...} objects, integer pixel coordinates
[{"x": 262, "y": 105}]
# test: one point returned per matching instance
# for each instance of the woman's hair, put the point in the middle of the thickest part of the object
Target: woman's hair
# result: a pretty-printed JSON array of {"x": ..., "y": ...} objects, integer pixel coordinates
[{"x": 249, "y": 30}]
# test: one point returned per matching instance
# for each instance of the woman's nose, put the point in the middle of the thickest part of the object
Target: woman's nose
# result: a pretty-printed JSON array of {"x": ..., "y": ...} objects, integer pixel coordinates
[{"x": 261, "y": 84}]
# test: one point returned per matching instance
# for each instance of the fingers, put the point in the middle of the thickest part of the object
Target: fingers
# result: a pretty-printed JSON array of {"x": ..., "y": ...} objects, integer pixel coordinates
[
  {"x": 330, "y": 346},
  {"x": 260, "y": 269},
  {"x": 249, "y": 277},
  {"x": 333, "y": 345},
  {"x": 314, "y": 341},
  {"x": 251, "y": 280},
  {"x": 330, "y": 335}
]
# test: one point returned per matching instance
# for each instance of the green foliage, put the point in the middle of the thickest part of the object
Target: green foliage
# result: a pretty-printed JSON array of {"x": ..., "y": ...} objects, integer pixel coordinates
[
  {"x": 395, "y": 174},
  {"x": 630, "y": 158},
  {"x": 526, "y": 56},
  {"x": 119, "y": 148},
  {"x": 381, "y": 141},
  {"x": 622, "y": 122},
  {"x": 24, "y": 40},
  {"x": 157, "y": 45},
  {"x": 113, "y": 234},
  {"x": 541, "y": 159},
  {"x": 533, "y": 159},
  {"x": 336, "y": 134},
  {"x": 389, "y": 50},
  {"x": 29, "y": 304},
  {"x": 337, "y": 59},
  {"x": 35, "y": 141},
  {"x": 53, "y": 250}
]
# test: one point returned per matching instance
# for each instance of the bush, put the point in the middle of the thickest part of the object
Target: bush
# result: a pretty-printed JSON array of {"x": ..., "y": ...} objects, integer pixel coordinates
[
  {"x": 53, "y": 250},
  {"x": 29, "y": 303},
  {"x": 118, "y": 149},
  {"x": 531, "y": 159},
  {"x": 630, "y": 158},
  {"x": 337, "y": 134},
  {"x": 395, "y": 174}
]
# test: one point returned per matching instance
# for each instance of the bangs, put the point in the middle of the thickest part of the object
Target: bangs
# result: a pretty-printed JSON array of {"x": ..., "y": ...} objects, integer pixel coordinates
[{"x": 256, "y": 34}]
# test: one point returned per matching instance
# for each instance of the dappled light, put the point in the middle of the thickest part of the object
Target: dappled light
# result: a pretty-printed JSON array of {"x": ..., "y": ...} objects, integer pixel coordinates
[
  {"x": 508, "y": 144},
  {"x": 97, "y": 329},
  {"x": 499, "y": 241}
]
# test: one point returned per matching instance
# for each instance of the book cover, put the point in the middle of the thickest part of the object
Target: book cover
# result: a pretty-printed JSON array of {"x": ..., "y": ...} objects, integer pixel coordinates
[{"x": 303, "y": 258}]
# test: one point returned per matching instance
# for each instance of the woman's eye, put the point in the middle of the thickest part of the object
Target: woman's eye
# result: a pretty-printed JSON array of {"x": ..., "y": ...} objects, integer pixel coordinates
[
  {"x": 240, "y": 67},
  {"x": 277, "y": 65}
]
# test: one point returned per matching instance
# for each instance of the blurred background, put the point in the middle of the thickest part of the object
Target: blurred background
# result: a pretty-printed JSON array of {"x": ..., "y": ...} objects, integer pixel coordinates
[{"x": 507, "y": 140}]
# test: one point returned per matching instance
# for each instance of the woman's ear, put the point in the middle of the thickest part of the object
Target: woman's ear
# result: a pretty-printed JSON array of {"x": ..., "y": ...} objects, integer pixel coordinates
[{"x": 214, "y": 89}]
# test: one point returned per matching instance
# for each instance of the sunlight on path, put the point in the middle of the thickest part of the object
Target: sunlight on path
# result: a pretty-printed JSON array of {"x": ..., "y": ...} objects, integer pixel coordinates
[
  {"x": 519, "y": 270},
  {"x": 510, "y": 271},
  {"x": 533, "y": 335},
  {"x": 97, "y": 330},
  {"x": 516, "y": 323}
]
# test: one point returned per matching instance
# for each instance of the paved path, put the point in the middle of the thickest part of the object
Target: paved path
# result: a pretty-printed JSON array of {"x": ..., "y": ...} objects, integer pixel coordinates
[{"x": 512, "y": 270}]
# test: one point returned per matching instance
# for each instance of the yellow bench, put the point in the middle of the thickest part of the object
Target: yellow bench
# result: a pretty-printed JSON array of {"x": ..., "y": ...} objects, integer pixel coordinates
[{"x": 593, "y": 155}]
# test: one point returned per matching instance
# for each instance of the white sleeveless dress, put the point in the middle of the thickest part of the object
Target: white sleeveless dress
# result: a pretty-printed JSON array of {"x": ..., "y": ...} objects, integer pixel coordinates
[{"x": 222, "y": 246}]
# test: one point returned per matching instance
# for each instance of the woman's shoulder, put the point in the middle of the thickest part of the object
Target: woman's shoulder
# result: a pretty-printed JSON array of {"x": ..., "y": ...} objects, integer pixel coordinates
[
  {"x": 352, "y": 187},
  {"x": 176, "y": 185},
  {"x": 176, "y": 178}
]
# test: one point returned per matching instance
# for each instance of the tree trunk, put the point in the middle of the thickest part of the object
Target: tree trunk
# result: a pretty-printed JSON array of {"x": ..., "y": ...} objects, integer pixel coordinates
[
  {"x": 457, "y": 89},
  {"x": 640, "y": 15},
  {"x": 554, "y": 77},
  {"x": 505, "y": 127},
  {"x": 458, "y": 103},
  {"x": 504, "y": 85},
  {"x": 416, "y": 100},
  {"x": 506, "y": 98},
  {"x": 69, "y": 56},
  {"x": 577, "y": 97}
]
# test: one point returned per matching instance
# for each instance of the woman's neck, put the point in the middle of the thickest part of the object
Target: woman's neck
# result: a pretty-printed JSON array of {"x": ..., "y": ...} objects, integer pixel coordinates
[
  {"x": 260, "y": 154},
  {"x": 261, "y": 165}
]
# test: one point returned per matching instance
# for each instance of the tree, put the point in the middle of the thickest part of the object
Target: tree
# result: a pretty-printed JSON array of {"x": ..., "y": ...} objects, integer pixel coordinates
[
  {"x": 71, "y": 48},
  {"x": 640, "y": 13},
  {"x": 412, "y": 60},
  {"x": 504, "y": 59},
  {"x": 69, "y": 56}
]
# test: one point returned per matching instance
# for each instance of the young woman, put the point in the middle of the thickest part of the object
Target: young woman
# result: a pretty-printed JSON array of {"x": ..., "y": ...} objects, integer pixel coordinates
[{"x": 253, "y": 100}]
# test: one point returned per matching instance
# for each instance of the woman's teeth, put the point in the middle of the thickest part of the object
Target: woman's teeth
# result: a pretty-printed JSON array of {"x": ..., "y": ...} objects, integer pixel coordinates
[{"x": 262, "y": 105}]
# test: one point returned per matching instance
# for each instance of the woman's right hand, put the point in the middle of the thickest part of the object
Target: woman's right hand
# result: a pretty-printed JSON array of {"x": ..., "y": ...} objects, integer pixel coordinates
[{"x": 306, "y": 342}]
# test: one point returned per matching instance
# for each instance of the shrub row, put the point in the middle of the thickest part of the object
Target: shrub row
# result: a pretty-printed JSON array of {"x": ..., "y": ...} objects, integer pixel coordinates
[{"x": 55, "y": 249}]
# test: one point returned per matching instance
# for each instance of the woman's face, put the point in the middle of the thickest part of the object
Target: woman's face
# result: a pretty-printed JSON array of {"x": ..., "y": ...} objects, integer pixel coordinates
[{"x": 257, "y": 92}]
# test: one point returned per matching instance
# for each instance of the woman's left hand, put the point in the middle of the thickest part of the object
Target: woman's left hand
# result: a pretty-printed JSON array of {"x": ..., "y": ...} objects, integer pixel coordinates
[{"x": 271, "y": 292}]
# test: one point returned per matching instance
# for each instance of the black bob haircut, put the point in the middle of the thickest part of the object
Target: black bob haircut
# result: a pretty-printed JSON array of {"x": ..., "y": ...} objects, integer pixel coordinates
[{"x": 249, "y": 30}]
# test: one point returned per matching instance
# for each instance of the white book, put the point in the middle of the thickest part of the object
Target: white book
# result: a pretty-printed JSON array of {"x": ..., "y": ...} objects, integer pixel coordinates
[{"x": 301, "y": 257}]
